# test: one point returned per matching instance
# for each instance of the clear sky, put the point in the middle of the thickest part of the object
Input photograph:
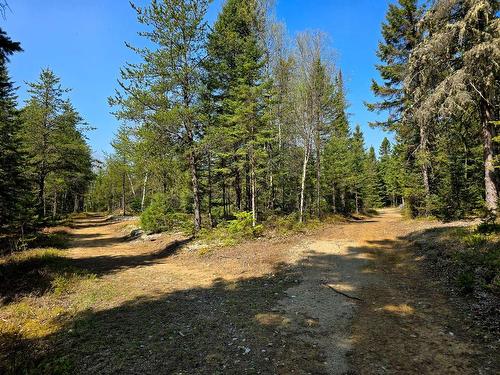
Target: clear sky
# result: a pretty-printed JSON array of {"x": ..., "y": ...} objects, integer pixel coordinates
[{"x": 83, "y": 43}]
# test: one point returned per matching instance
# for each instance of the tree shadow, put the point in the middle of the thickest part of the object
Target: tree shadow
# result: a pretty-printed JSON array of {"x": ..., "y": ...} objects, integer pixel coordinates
[
  {"x": 241, "y": 326},
  {"x": 34, "y": 275},
  {"x": 229, "y": 327}
]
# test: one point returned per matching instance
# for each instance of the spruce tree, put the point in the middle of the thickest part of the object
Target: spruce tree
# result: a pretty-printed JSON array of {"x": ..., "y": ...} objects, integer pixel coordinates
[
  {"x": 372, "y": 184},
  {"x": 454, "y": 69},
  {"x": 336, "y": 154},
  {"x": 13, "y": 188},
  {"x": 40, "y": 124},
  {"x": 401, "y": 34},
  {"x": 357, "y": 167},
  {"x": 238, "y": 88}
]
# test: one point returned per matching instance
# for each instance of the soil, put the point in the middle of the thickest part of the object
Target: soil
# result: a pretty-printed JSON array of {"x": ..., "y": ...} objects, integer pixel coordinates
[{"x": 350, "y": 299}]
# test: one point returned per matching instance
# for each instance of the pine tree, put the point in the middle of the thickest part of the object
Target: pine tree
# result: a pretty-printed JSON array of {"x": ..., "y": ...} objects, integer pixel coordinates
[
  {"x": 372, "y": 184},
  {"x": 357, "y": 167},
  {"x": 165, "y": 88},
  {"x": 40, "y": 123},
  {"x": 401, "y": 35},
  {"x": 13, "y": 188},
  {"x": 336, "y": 161},
  {"x": 238, "y": 89},
  {"x": 451, "y": 69}
]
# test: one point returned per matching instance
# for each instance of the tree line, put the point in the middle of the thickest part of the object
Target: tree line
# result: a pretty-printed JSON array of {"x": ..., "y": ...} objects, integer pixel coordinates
[
  {"x": 240, "y": 117},
  {"x": 235, "y": 117},
  {"x": 45, "y": 161}
]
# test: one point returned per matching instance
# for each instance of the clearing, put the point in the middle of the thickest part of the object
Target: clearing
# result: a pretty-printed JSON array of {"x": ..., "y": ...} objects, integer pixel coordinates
[{"x": 350, "y": 299}]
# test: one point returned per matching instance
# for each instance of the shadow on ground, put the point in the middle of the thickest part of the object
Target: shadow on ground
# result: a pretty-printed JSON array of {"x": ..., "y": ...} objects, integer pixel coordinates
[
  {"x": 238, "y": 327},
  {"x": 35, "y": 275}
]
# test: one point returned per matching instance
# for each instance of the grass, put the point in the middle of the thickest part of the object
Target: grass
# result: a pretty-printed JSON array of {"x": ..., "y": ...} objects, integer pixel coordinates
[
  {"x": 477, "y": 259},
  {"x": 233, "y": 232},
  {"x": 469, "y": 257},
  {"x": 41, "y": 291}
]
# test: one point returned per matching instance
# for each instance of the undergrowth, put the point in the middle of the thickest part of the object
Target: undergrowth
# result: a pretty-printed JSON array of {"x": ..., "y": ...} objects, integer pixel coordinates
[
  {"x": 40, "y": 291},
  {"x": 468, "y": 257}
]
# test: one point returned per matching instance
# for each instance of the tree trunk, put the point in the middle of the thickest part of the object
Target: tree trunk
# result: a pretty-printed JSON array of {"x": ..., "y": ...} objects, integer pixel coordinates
[
  {"x": 54, "y": 206},
  {"x": 357, "y": 202},
  {"x": 75, "y": 203},
  {"x": 303, "y": 183},
  {"x": 254, "y": 193},
  {"x": 425, "y": 167},
  {"x": 224, "y": 200},
  {"x": 131, "y": 184},
  {"x": 196, "y": 191},
  {"x": 143, "y": 198},
  {"x": 41, "y": 194},
  {"x": 248, "y": 188},
  {"x": 210, "y": 219},
  {"x": 237, "y": 188},
  {"x": 271, "y": 186},
  {"x": 334, "y": 196},
  {"x": 123, "y": 193},
  {"x": 342, "y": 200},
  {"x": 318, "y": 175},
  {"x": 490, "y": 186}
]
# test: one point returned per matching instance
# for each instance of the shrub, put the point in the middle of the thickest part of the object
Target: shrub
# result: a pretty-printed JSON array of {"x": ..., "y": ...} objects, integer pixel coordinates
[
  {"x": 242, "y": 226},
  {"x": 159, "y": 217},
  {"x": 230, "y": 232}
]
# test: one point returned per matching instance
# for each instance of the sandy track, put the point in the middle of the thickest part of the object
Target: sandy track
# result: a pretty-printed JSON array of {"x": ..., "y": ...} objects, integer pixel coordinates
[{"x": 403, "y": 324}]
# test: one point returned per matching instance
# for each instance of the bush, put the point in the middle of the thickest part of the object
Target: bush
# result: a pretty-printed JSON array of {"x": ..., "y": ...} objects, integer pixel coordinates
[
  {"x": 229, "y": 233},
  {"x": 242, "y": 226},
  {"x": 159, "y": 217},
  {"x": 477, "y": 260}
]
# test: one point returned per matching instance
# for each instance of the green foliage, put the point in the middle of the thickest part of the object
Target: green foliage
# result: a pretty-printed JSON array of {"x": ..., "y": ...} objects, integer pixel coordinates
[
  {"x": 242, "y": 226},
  {"x": 59, "y": 159},
  {"x": 478, "y": 261},
  {"x": 58, "y": 240},
  {"x": 14, "y": 188},
  {"x": 231, "y": 232},
  {"x": 488, "y": 227},
  {"x": 160, "y": 217}
]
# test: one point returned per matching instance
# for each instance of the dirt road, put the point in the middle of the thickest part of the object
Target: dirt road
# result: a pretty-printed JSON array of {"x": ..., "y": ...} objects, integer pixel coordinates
[{"x": 350, "y": 299}]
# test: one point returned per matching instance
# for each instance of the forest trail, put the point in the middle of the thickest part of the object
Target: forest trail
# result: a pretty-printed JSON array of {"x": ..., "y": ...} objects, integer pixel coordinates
[{"x": 350, "y": 299}]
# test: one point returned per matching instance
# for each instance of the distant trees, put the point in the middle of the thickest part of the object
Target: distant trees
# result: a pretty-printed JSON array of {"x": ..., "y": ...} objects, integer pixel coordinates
[
  {"x": 57, "y": 153},
  {"x": 255, "y": 122},
  {"x": 241, "y": 118}
]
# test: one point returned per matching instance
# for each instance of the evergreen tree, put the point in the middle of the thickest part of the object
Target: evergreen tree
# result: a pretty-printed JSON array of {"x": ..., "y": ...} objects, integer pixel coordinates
[
  {"x": 451, "y": 69},
  {"x": 40, "y": 123},
  {"x": 12, "y": 183},
  {"x": 357, "y": 167},
  {"x": 238, "y": 88},
  {"x": 58, "y": 157},
  {"x": 401, "y": 34},
  {"x": 165, "y": 88},
  {"x": 336, "y": 161},
  {"x": 372, "y": 184}
]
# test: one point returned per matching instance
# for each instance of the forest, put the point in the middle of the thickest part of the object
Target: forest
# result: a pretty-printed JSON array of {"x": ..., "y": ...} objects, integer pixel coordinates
[
  {"x": 243, "y": 221},
  {"x": 242, "y": 117}
]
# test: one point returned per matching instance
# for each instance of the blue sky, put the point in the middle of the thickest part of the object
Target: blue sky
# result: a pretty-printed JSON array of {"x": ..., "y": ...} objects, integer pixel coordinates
[{"x": 83, "y": 43}]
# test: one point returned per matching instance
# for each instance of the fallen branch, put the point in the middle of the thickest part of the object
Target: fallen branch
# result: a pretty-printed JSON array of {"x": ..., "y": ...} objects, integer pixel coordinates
[{"x": 342, "y": 293}]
